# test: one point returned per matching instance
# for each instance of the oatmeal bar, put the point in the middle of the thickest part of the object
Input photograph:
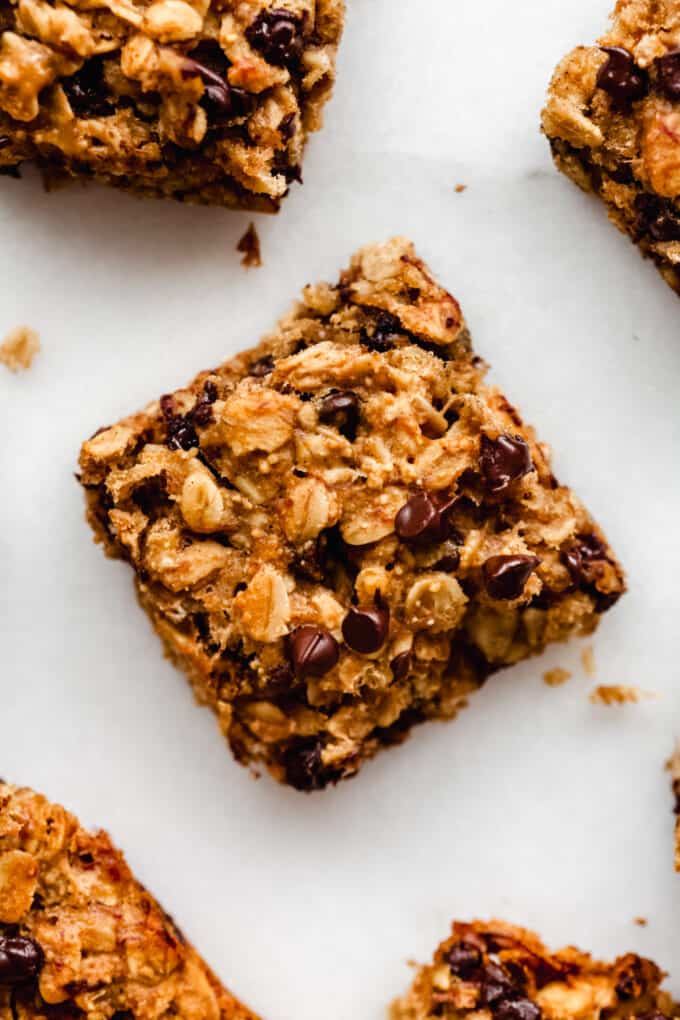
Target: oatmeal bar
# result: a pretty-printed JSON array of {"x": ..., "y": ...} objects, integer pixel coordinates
[
  {"x": 80, "y": 937},
  {"x": 343, "y": 532},
  {"x": 497, "y": 971},
  {"x": 203, "y": 101},
  {"x": 613, "y": 121}
]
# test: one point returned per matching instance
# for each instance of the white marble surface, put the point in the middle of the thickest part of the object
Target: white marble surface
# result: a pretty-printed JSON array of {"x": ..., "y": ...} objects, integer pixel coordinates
[{"x": 535, "y": 805}]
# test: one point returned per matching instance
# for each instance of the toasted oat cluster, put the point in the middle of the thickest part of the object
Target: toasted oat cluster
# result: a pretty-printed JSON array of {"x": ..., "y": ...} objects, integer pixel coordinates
[
  {"x": 343, "y": 532},
  {"x": 613, "y": 121},
  {"x": 203, "y": 100},
  {"x": 497, "y": 971},
  {"x": 80, "y": 938}
]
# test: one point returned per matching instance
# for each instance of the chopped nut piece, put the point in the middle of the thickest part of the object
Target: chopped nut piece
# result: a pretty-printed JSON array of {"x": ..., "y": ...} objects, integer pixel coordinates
[
  {"x": 557, "y": 676},
  {"x": 617, "y": 694},
  {"x": 250, "y": 246},
  {"x": 19, "y": 348}
]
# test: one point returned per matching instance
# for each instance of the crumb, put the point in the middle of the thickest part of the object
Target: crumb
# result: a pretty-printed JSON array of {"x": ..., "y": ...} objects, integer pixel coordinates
[
  {"x": 641, "y": 921},
  {"x": 460, "y": 188},
  {"x": 250, "y": 246},
  {"x": 588, "y": 660},
  {"x": 617, "y": 694},
  {"x": 555, "y": 677},
  {"x": 19, "y": 348}
]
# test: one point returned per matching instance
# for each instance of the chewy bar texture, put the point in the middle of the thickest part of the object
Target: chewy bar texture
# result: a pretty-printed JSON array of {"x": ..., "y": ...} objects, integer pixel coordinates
[
  {"x": 613, "y": 121},
  {"x": 80, "y": 938},
  {"x": 497, "y": 971},
  {"x": 203, "y": 100},
  {"x": 343, "y": 532}
]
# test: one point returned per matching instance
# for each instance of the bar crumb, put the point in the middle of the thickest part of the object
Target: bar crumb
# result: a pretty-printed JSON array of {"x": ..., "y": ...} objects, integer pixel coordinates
[
  {"x": 19, "y": 348},
  {"x": 460, "y": 188},
  {"x": 588, "y": 660},
  {"x": 249, "y": 245},
  {"x": 640, "y": 921},
  {"x": 617, "y": 694},
  {"x": 557, "y": 676}
]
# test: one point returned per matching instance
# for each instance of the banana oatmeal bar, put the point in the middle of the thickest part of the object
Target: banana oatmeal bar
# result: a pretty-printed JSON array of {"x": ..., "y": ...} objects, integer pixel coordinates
[
  {"x": 80, "y": 938},
  {"x": 203, "y": 100},
  {"x": 613, "y": 121},
  {"x": 497, "y": 971},
  {"x": 343, "y": 532}
]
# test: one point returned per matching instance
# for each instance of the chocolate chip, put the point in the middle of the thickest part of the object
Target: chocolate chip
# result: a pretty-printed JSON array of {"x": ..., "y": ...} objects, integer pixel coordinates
[
  {"x": 365, "y": 630},
  {"x": 86, "y": 90},
  {"x": 20, "y": 959},
  {"x": 496, "y": 985},
  {"x": 516, "y": 1009},
  {"x": 209, "y": 392},
  {"x": 449, "y": 563},
  {"x": 220, "y": 100},
  {"x": 578, "y": 554},
  {"x": 387, "y": 330},
  {"x": 277, "y": 36},
  {"x": 631, "y": 982},
  {"x": 313, "y": 651},
  {"x": 463, "y": 959},
  {"x": 656, "y": 218},
  {"x": 181, "y": 434},
  {"x": 287, "y": 127},
  {"x": 505, "y": 576},
  {"x": 503, "y": 460},
  {"x": 304, "y": 767},
  {"x": 620, "y": 78},
  {"x": 311, "y": 562},
  {"x": 341, "y": 410},
  {"x": 422, "y": 520},
  {"x": 668, "y": 74},
  {"x": 265, "y": 366},
  {"x": 400, "y": 665}
]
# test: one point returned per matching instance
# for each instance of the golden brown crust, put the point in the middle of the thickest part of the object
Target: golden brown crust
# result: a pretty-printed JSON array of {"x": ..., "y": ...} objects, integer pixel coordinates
[
  {"x": 613, "y": 121},
  {"x": 497, "y": 971},
  {"x": 184, "y": 98},
  {"x": 106, "y": 950},
  {"x": 252, "y": 504}
]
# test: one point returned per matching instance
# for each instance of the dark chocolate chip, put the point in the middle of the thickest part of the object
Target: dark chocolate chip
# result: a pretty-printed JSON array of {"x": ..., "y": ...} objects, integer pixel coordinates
[
  {"x": 668, "y": 74},
  {"x": 277, "y": 35},
  {"x": 265, "y": 366},
  {"x": 631, "y": 982},
  {"x": 304, "y": 767},
  {"x": 620, "y": 78},
  {"x": 311, "y": 562},
  {"x": 496, "y": 985},
  {"x": 449, "y": 563},
  {"x": 220, "y": 100},
  {"x": 167, "y": 404},
  {"x": 20, "y": 959},
  {"x": 287, "y": 127},
  {"x": 622, "y": 174},
  {"x": 387, "y": 330},
  {"x": 423, "y": 520},
  {"x": 341, "y": 410},
  {"x": 86, "y": 90},
  {"x": 365, "y": 630},
  {"x": 313, "y": 651},
  {"x": 503, "y": 460},
  {"x": 181, "y": 434},
  {"x": 505, "y": 576},
  {"x": 516, "y": 1009},
  {"x": 400, "y": 665},
  {"x": 463, "y": 959},
  {"x": 656, "y": 218}
]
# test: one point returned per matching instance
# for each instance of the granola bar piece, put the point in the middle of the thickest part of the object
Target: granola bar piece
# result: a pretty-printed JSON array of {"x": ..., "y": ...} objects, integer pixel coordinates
[
  {"x": 344, "y": 531},
  {"x": 497, "y": 971},
  {"x": 203, "y": 100},
  {"x": 80, "y": 938},
  {"x": 613, "y": 121}
]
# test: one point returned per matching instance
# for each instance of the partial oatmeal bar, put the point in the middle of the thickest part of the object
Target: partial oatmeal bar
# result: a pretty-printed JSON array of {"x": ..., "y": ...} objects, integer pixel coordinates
[
  {"x": 80, "y": 938},
  {"x": 497, "y": 971},
  {"x": 203, "y": 100},
  {"x": 613, "y": 121},
  {"x": 343, "y": 532}
]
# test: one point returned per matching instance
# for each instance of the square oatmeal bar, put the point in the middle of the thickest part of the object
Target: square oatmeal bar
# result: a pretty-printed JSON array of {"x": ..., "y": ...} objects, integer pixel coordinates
[
  {"x": 613, "y": 122},
  {"x": 344, "y": 531},
  {"x": 203, "y": 100}
]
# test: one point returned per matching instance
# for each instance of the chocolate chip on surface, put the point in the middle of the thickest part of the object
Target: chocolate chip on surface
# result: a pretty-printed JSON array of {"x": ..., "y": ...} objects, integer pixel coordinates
[
  {"x": 341, "y": 410},
  {"x": 181, "y": 434},
  {"x": 656, "y": 218},
  {"x": 303, "y": 765},
  {"x": 503, "y": 460},
  {"x": 21, "y": 958},
  {"x": 313, "y": 651},
  {"x": 506, "y": 576},
  {"x": 668, "y": 74},
  {"x": 449, "y": 563},
  {"x": 86, "y": 90},
  {"x": 365, "y": 630},
  {"x": 516, "y": 1009},
  {"x": 620, "y": 78},
  {"x": 277, "y": 36},
  {"x": 496, "y": 985},
  {"x": 387, "y": 331},
  {"x": 400, "y": 665},
  {"x": 423, "y": 519},
  {"x": 463, "y": 959}
]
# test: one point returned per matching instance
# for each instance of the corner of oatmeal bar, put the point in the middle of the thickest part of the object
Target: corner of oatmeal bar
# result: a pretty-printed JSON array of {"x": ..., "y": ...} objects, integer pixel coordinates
[
  {"x": 80, "y": 937},
  {"x": 344, "y": 531},
  {"x": 206, "y": 101},
  {"x": 505, "y": 972},
  {"x": 613, "y": 123}
]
